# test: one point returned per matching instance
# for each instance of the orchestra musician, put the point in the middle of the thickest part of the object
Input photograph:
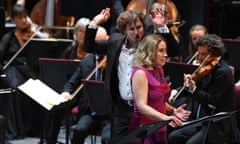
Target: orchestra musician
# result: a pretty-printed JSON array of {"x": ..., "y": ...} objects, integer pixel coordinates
[
  {"x": 212, "y": 91},
  {"x": 20, "y": 113},
  {"x": 159, "y": 25},
  {"x": 195, "y": 32},
  {"x": 87, "y": 123}
]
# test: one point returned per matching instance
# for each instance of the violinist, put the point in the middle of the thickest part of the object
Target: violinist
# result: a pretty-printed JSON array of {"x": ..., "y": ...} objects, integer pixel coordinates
[
  {"x": 159, "y": 19},
  {"x": 212, "y": 91},
  {"x": 195, "y": 32},
  {"x": 20, "y": 114}
]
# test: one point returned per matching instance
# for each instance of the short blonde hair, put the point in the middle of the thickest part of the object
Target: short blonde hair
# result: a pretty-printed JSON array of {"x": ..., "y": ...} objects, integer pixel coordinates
[{"x": 146, "y": 50}]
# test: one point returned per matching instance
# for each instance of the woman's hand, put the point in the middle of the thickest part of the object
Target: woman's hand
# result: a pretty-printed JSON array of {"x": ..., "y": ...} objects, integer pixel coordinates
[
  {"x": 181, "y": 113},
  {"x": 175, "y": 121}
]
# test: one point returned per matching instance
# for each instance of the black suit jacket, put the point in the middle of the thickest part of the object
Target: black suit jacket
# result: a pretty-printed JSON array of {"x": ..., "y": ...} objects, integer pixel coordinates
[
  {"x": 84, "y": 68},
  {"x": 112, "y": 49}
]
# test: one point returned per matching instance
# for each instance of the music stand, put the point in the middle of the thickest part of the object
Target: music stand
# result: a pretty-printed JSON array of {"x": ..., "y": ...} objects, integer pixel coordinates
[
  {"x": 176, "y": 70},
  {"x": 214, "y": 118},
  {"x": 141, "y": 133},
  {"x": 97, "y": 98},
  {"x": 56, "y": 72},
  {"x": 44, "y": 48}
]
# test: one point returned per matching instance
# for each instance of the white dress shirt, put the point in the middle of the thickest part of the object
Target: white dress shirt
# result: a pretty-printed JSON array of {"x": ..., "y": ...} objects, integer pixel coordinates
[{"x": 124, "y": 72}]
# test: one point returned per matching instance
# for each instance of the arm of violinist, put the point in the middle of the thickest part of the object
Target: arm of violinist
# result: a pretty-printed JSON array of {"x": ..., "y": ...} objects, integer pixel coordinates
[
  {"x": 189, "y": 83},
  {"x": 172, "y": 95}
]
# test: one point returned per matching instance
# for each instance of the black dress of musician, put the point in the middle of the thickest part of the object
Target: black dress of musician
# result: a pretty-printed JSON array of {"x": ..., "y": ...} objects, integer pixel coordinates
[{"x": 20, "y": 112}]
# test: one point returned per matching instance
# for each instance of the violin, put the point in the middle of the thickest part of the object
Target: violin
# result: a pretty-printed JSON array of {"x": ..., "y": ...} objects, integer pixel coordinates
[{"x": 204, "y": 69}]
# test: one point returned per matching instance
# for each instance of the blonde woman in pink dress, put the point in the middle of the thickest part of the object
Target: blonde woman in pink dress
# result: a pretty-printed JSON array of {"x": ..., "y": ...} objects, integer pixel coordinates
[{"x": 151, "y": 91}]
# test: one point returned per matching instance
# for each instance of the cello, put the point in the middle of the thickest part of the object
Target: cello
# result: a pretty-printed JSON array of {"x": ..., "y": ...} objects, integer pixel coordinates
[{"x": 48, "y": 13}]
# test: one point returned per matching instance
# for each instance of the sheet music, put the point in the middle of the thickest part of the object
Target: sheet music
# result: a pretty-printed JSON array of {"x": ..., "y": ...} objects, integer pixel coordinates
[
  {"x": 41, "y": 93},
  {"x": 205, "y": 118}
]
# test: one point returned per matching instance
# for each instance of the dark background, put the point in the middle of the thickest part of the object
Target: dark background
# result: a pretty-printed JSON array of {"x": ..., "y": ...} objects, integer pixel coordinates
[{"x": 219, "y": 16}]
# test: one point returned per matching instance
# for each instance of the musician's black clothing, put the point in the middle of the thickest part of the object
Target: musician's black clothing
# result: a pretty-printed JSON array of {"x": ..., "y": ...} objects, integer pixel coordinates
[
  {"x": 21, "y": 113},
  {"x": 217, "y": 90}
]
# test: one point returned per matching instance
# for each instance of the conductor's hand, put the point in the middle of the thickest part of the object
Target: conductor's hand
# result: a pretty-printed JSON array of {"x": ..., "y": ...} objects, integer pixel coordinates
[
  {"x": 67, "y": 96},
  {"x": 102, "y": 17}
]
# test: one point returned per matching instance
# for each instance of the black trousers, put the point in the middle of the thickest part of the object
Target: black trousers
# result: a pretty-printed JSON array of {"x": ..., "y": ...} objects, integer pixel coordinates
[
  {"x": 89, "y": 124},
  {"x": 3, "y": 126},
  {"x": 187, "y": 135},
  {"x": 122, "y": 114}
]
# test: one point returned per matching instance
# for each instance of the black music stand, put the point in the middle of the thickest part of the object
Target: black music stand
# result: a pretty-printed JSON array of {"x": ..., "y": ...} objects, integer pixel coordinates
[
  {"x": 97, "y": 98},
  {"x": 214, "y": 118},
  {"x": 44, "y": 48},
  {"x": 141, "y": 133},
  {"x": 176, "y": 70},
  {"x": 56, "y": 72}
]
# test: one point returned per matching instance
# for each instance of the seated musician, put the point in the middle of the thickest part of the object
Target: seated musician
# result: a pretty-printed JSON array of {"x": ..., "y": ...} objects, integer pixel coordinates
[
  {"x": 159, "y": 25},
  {"x": 212, "y": 90},
  {"x": 18, "y": 111},
  {"x": 87, "y": 123}
]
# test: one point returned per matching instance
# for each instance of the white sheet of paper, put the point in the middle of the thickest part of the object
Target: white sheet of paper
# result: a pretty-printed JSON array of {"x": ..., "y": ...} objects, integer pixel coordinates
[{"x": 41, "y": 93}]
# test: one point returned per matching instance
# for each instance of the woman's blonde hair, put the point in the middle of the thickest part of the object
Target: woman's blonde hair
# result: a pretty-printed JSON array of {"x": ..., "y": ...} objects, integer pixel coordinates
[{"x": 146, "y": 50}]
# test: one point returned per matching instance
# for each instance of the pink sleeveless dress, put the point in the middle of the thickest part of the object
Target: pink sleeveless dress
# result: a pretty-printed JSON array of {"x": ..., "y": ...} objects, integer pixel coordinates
[{"x": 159, "y": 92}]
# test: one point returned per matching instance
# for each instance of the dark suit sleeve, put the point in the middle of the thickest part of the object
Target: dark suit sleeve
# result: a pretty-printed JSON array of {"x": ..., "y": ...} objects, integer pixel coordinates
[
  {"x": 74, "y": 80},
  {"x": 91, "y": 46}
]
